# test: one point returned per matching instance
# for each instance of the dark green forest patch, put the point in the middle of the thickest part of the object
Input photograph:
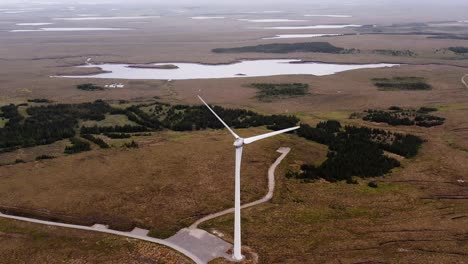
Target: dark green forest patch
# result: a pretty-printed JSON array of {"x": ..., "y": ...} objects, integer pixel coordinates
[
  {"x": 397, "y": 116},
  {"x": 101, "y": 143},
  {"x": 271, "y": 91},
  {"x": 401, "y": 84},
  {"x": 459, "y": 50},
  {"x": 77, "y": 146},
  {"x": 49, "y": 123},
  {"x": 89, "y": 87},
  {"x": 46, "y": 124},
  {"x": 395, "y": 53},
  {"x": 39, "y": 100},
  {"x": 322, "y": 47},
  {"x": 354, "y": 151}
]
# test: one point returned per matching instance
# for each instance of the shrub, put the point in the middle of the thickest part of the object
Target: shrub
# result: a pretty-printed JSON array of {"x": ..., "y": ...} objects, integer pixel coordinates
[
  {"x": 117, "y": 135},
  {"x": 89, "y": 87},
  {"x": 101, "y": 143},
  {"x": 44, "y": 157},
  {"x": 77, "y": 146},
  {"x": 132, "y": 144},
  {"x": 39, "y": 101}
]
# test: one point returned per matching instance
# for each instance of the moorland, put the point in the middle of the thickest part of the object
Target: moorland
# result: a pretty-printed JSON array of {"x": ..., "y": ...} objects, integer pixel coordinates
[{"x": 377, "y": 172}]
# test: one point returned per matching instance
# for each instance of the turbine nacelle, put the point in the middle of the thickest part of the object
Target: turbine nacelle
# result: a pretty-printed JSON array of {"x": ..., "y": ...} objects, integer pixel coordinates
[{"x": 239, "y": 142}]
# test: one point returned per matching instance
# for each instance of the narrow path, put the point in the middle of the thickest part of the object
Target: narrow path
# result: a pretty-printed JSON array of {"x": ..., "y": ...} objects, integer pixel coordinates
[
  {"x": 197, "y": 244},
  {"x": 266, "y": 198},
  {"x": 136, "y": 233},
  {"x": 463, "y": 80},
  {"x": 207, "y": 246}
]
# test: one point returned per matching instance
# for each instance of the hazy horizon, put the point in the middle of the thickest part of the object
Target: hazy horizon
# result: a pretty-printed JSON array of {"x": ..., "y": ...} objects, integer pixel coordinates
[{"x": 241, "y": 2}]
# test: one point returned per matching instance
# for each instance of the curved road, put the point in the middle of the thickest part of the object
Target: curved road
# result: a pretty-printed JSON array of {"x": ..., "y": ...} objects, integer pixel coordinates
[
  {"x": 141, "y": 234},
  {"x": 266, "y": 198},
  {"x": 137, "y": 234},
  {"x": 463, "y": 80}
]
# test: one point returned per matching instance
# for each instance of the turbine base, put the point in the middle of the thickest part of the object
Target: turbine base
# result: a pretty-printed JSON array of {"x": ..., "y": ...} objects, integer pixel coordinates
[{"x": 238, "y": 259}]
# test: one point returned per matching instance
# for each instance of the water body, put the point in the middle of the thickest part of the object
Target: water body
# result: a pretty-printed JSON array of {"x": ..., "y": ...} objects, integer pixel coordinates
[
  {"x": 272, "y": 20},
  {"x": 247, "y": 68},
  {"x": 19, "y": 10},
  {"x": 335, "y": 16},
  {"x": 289, "y": 36},
  {"x": 33, "y": 24},
  {"x": 15, "y": 12},
  {"x": 206, "y": 17},
  {"x": 88, "y": 15},
  {"x": 86, "y": 18},
  {"x": 314, "y": 27},
  {"x": 67, "y": 29},
  {"x": 265, "y": 12}
]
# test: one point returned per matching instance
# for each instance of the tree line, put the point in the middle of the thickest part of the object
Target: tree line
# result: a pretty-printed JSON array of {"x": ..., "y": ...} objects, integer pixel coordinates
[
  {"x": 47, "y": 124},
  {"x": 77, "y": 146},
  {"x": 101, "y": 143},
  {"x": 89, "y": 87},
  {"x": 401, "y": 83},
  {"x": 353, "y": 151},
  {"x": 460, "y": 50},
  {"x": 323, "y": 47}
]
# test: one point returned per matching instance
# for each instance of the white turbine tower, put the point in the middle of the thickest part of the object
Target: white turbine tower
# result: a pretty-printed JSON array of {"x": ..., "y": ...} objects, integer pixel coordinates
[{"x": 238, "y": 144}]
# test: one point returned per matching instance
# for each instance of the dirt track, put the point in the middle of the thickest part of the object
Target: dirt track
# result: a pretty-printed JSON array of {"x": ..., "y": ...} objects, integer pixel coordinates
[
  {"x": 266, "y": 198},
  {"x": 463, "y": 80}
]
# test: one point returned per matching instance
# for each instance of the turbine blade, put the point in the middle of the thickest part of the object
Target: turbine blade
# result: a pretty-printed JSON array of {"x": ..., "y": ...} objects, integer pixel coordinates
[
  {"x": 219, "y": 118},
  {"x": 267, "y": 135}
]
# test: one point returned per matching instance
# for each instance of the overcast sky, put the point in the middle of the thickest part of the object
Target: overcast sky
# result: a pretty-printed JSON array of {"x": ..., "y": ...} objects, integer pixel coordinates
[{"x": 242, "y": 2}]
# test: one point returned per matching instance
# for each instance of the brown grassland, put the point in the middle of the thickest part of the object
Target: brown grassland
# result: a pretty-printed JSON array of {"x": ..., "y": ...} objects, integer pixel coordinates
[
  {"x": 31, "y": 243},
  {"x": 418, "y": 214},
  {"x": 165, "y": 185}
]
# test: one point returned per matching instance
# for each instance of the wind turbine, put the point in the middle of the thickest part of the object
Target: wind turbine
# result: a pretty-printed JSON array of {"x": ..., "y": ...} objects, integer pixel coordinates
[{"x": 238, "y": 144}]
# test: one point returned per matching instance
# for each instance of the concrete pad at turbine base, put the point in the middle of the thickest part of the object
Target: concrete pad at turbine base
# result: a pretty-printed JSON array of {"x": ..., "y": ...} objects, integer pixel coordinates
[
  {"x": 201, "y": 243},
  {"x": 283, "y": 150},
  {"x": 140, "y": 232},
  {"x": 99, "y": 226}
]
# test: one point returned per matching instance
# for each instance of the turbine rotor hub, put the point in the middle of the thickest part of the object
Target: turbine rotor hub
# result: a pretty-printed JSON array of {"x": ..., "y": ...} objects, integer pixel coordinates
[{"x": 239, "y": 142}]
